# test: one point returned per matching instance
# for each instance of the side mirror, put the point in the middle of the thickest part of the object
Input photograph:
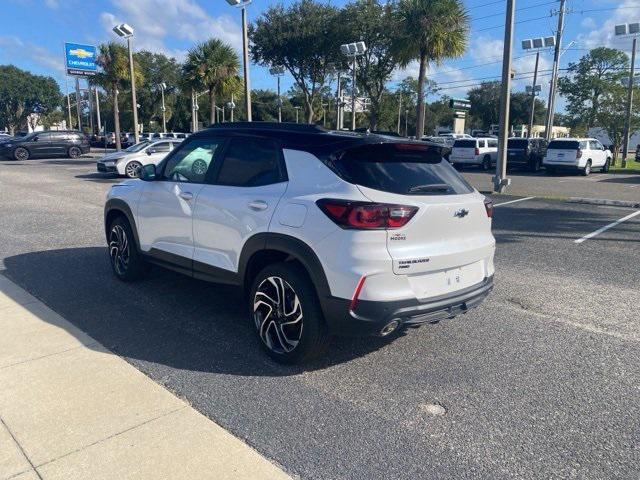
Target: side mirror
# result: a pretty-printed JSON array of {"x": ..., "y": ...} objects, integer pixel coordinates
[
  {"x": 151, "y": 151},
  {"x": 148, "y": 172}
]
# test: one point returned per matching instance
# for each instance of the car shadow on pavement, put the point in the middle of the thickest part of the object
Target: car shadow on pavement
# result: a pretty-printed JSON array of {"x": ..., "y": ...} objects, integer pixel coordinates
[
  {"x": 72, "y": 161},
  {"x": 168, "y": 318},
  {"x": 101, "y": 177},
  {"x": 634, "y": 179}
]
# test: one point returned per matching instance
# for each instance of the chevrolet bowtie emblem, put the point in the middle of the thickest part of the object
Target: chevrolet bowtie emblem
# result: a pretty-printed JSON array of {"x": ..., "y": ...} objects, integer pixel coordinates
[{"x": 461, "y": 213}]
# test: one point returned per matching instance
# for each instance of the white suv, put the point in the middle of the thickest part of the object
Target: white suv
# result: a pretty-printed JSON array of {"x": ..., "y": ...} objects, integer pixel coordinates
[
  {"x": 327, "y": 232},
  {"x": 581, "y": 154},
  {"x": 475, "y": 151},
  {"x": 129, "y": 161}
]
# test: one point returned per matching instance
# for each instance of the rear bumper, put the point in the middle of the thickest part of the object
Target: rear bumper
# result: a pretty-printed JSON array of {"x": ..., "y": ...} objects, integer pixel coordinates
[{"x": 369, "y": 317}]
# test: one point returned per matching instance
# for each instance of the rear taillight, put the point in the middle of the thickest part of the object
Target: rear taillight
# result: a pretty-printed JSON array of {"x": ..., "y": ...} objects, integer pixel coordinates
[
  {"x": 488, "y": 205},
  {"x": 579, "y": 153},
  {"x": 365, "y": 215},
  {"x": 477, "y": 152}
]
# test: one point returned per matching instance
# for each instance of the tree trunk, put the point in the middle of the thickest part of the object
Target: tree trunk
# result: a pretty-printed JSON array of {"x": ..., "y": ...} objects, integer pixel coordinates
[
  {"x": 309, "y": 109},
  {"x": 420, "y": 106},
  {"x": 212, "y": 103},
  {"x": 373, "y": 115},
  {"x": 12, "y": 130},
  {"x": 116, "y": 118}
]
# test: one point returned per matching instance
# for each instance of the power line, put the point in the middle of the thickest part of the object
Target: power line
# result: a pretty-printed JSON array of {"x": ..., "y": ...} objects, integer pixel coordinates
[
  {"x": 478, "y": 65},
  {"x": 486, "y": 4},
  {"x": 518, "y": 22},
  {"x": 517, "y": 10}
]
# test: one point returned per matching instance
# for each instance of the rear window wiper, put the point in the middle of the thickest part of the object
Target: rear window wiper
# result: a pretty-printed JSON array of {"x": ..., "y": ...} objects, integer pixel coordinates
[{"x": 432, "y": 187}]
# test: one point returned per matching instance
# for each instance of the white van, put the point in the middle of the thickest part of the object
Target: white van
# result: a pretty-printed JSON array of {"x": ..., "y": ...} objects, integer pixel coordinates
[
  {"x": 582, "y": 154},
  {"x": 475, "y": 151}
]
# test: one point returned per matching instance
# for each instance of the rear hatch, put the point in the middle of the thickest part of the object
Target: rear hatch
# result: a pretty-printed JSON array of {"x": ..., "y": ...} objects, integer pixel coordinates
[
  {"x": 464, "y": 149},
  {"x": 517, "y": 149},
  {"x": 448, "y": 244},
  {"x": 563, "y": 151}
]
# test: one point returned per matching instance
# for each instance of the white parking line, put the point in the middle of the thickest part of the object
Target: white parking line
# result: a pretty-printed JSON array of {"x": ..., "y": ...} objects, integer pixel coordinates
[
  {"x": 514, "y": 201},
  {"x": 607, "y": 227}
]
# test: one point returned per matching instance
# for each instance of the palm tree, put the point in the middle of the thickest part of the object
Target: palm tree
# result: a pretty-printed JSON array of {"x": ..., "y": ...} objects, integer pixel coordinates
[
  {"x": 114, "y": 62},
  {"x": 430, "y": 31},
  {"x": 209, "y": 65}
]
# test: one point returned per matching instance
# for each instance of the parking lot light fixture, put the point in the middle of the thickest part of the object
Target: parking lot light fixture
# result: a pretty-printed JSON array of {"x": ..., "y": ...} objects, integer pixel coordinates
[
  {"x": 278, "y": 72},
  {"x": 163, "y": 87},
  {"x": 353, "y": 50},
  {"x": 126, "y": 31},
  {"x": 242, "y": 4}
]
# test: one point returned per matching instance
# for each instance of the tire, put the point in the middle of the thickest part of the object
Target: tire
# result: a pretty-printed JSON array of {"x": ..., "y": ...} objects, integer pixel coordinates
[
  {"x": 294, "y": 337},
  {"x": 486, "y": 163},
  {"x": 132, "y": 169},
  {"x": 21, "y": 154},
  {"x": 587, "y": 169},
  {"x": 74, "y": 152},
  {"x": 606, "y": 166},
  {"x": 126, "y": 261}
]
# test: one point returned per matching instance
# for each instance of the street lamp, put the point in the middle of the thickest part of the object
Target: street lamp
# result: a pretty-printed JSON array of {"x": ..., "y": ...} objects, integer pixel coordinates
[
  {"x": 632, "y": 30},
  {"x": 297, "y": 112},
  {"x": 245, "y": 52},
  {"x": 353, "y": 50},
  {"x": 231, "y": 106},
  {"x": 125, "y": 31},
  {"x": 536, "y": 44},
  {"x": 163, "y": 87},
  {"x": 278, "y": 72}
]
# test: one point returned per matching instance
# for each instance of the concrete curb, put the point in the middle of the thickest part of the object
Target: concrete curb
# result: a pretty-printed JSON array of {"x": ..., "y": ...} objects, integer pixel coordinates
[
  {"x": 72, "y": 409},
  {"x": 598, "y": 201}
]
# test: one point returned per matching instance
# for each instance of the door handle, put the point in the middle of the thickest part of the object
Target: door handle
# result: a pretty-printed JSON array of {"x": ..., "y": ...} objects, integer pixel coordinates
[
  {"x": 186, "y": 196},
  {"x": 258, "y": 205}
]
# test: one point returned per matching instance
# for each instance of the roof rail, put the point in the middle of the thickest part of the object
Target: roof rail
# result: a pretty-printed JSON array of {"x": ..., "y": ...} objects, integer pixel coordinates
[{"x": 284, "y": 126}]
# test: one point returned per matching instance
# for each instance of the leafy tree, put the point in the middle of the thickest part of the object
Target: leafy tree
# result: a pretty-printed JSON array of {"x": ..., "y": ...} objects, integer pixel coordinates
[
  {"x": 23, "y": 94},
  {"x": 611, "y": 115},
  {"x": 54, "y": 117},
  {"x": 113, "y": 60},
  {"x": 210, "y": 65},
  {"x": 304, "y": 38},
  {"x": 429, "y": 31},
  {"x": 370, "y": 21},
  {"x": 589, "y": 80}
]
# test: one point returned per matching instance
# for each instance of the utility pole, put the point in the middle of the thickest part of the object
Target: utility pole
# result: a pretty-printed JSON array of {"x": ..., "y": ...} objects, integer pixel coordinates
[
  {"x": 406, "y": 122},
  {"x": 164, "y": 110},
  {"x": 78, "y": 106},
  {"x": 533, "y": 94},
  {"x": 554, "y": 73},
  {"x": 98, "y": 110},
  {"x": 627, "y": 120},
  {"x": 399, "y": 109},
  {"x": 500, "y": 181},
  {"x": 338, "y": 102}
]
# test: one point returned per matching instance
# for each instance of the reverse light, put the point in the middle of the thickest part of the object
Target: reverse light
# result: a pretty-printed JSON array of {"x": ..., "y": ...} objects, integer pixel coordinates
[
  {"x": 366, "y": 216},
  {"x": 488, "y": 205}
]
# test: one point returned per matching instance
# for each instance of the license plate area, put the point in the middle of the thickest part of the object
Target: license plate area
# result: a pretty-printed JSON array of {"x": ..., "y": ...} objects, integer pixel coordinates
[{"x": 442, "y": 282}]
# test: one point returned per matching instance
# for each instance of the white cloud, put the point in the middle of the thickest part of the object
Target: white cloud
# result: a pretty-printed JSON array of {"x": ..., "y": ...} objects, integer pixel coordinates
[
  {"x": 588, "y": 23},
  {"x": 604, "y": 36},
  {"x": 16, "y": 49},
  {"x": 52, "y": 4},
  {"x": 155, "y": 21}
]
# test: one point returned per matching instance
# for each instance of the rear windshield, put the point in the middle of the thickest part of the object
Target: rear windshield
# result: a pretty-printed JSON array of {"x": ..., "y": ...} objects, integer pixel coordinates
[
  {"x": 465, "y": 144},
  {"x": 407, "y": 169},
  {"x": 517, "y": 143},
  {"x": 563, "y": 145}
]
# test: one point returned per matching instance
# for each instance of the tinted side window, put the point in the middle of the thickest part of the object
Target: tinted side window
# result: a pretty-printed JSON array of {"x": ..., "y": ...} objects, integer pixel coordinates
[
  {"x": 250, "y": 162},
  {"x": 161, "y": 147},
  {"x": 190, "y": 162},
  {"x": 493, "y": 143}
]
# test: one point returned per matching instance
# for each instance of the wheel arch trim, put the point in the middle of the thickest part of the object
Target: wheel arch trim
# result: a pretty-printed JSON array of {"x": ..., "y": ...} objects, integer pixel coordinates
[{"x": 118, "y": 205}]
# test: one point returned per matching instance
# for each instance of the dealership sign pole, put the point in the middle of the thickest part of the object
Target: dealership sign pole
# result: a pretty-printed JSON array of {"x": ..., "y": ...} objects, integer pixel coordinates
[{"x": 80, "y": 62}]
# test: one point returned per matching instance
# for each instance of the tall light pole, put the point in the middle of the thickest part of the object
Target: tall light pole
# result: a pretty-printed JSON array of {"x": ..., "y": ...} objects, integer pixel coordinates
[
  {"x": 297, "y": 112},
  {"x": 554, "y": 73},
  {"x": 163, "y": 87},
  {"x": 536, "y": 44},
  {"x": 406, "y": 122},
  {"x": 125, "y": 31},
  {"x": 78, "y": 104},
  {"x": 631, "y": 29},
  {"x": 353, "y": 50},
  {"x": 278, "y": 72},
  {"x": 68, "y": 104},
  {"x": 399, "y": 109},
  {"x": 245, "y": 52},
  {"x": 98, "y": 110},
  {"x": 500, "y": 181},
  {"x": 231, "y": 105}
]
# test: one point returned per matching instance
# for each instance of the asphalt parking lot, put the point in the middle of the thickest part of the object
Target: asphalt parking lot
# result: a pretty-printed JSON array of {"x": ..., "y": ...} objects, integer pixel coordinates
[{"x": 541, "y": 381}]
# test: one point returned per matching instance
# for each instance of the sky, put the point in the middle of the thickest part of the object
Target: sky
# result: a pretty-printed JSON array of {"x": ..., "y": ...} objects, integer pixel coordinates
[{"x": 33, "y": 33}]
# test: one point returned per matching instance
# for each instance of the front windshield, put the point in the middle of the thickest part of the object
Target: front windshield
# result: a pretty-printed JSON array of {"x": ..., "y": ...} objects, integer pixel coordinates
[{"x": 137, "y": 147}]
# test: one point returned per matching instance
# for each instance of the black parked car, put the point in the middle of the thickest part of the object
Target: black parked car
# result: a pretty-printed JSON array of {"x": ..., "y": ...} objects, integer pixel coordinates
[
  {"x": 526, "y": 152},
  {"x": 59, "y": 143}
]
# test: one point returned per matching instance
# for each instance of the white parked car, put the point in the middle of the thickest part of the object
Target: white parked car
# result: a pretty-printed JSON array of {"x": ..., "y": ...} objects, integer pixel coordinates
[
  {"x": 326, "y": 232},
  {"x": 475, "y": 151},
  {"x": 579, "y": 154},
  {"x": 128, "y": 162}
]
